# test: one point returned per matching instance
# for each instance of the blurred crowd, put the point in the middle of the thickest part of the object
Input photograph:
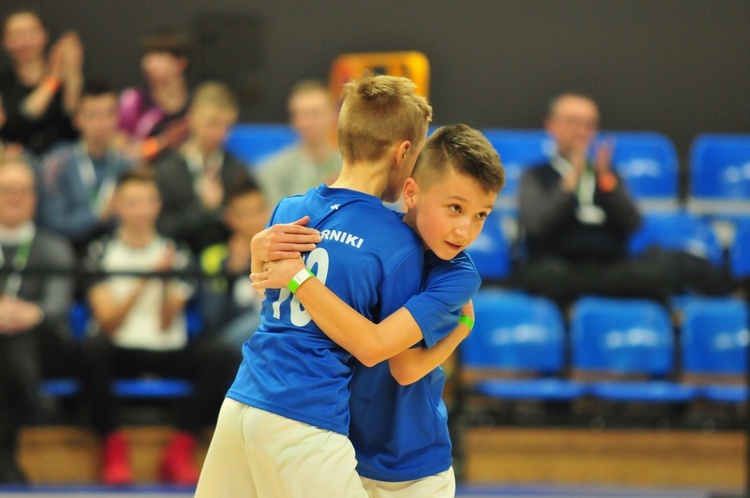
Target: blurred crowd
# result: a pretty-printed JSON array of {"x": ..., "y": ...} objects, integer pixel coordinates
[{"x": 127, "y": 201}]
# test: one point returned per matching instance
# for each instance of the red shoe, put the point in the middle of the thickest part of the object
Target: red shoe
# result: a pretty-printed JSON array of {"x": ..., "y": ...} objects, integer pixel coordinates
[
  {"x": 178, "y": 465},
  {"x": 116, "y": 463}
]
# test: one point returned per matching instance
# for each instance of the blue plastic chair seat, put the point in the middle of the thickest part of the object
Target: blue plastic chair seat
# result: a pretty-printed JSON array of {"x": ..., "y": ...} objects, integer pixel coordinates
[
  {"x": 152, "y": 388},
  {"x": 725, "y": 393},
  {"x": 60, "y": 388},
  {"x": 649, "y": 391},
  {"x": 126, "y": 388},
  {"x": 542, "y": 389}
]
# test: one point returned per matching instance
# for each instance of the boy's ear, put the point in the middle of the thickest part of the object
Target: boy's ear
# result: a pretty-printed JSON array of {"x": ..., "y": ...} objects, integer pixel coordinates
[
  {"x": 401, "y": 151},
  {"x": 411, "y": 190}
]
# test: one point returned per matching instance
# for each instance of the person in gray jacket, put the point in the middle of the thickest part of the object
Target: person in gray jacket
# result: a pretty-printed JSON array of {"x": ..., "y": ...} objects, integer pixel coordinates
[{"x": 34, "y": 337}]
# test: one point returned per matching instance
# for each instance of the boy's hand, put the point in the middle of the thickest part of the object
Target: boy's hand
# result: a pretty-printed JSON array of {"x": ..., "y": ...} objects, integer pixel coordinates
[
  {"x": 285, "y": 241},
  {"x": 277, "y": 274}
]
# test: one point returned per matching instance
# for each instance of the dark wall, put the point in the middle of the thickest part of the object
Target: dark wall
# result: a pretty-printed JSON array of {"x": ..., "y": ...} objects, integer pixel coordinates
[{"x": 677, "y": 66}]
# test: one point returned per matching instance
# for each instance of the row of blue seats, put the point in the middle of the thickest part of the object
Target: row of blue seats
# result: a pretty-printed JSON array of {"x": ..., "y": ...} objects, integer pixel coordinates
[
  {"x": 492, "y": 251},
  {"x": 520, "y": 334},
  {"x": 719, "y": 164},
  {"x": 79, "y": 318}
]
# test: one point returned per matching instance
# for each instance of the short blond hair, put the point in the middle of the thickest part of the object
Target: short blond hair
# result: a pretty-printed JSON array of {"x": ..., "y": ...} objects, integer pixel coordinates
[
  {"x": 216, "y": 94},
  {"x": 466, "y": 151},
  {"x": 378, "y": 111}
]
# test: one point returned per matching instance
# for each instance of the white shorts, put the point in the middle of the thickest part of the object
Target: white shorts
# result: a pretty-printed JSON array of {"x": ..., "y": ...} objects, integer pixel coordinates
[
  {"x": 255, "y": 453},
  {"x": 442, "y": 485}
]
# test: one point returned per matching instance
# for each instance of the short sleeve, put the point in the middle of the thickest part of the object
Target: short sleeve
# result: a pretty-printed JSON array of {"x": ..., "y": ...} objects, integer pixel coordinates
[
  {"x": 437, "y": 308},
  {"x": 402, "y": 283}
]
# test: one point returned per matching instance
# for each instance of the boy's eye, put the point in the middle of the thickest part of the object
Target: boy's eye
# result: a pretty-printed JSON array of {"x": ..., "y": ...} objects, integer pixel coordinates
[
  {"x": 481, "y": 216},
  {"x": 455, "y": 208}
]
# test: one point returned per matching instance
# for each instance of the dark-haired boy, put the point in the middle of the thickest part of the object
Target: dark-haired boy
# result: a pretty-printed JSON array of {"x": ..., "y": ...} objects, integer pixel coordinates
[
  {"x": 399, "y": 421},
  {"x": 230, "y": 306},
  {"x": 78, "y": 179}
]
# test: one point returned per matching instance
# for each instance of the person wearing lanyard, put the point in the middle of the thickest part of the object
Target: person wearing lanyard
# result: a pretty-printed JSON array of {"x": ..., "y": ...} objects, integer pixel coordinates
[
  {"x": 78, "y": 179},
  {"x": 34, "y": 340}
]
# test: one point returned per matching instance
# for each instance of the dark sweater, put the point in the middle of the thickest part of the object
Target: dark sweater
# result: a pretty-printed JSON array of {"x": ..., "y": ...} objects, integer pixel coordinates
[{"x": 548, "y": 218}]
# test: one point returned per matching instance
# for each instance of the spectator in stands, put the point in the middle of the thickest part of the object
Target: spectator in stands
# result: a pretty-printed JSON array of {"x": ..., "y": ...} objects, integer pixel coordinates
[
  {"x": 141, "y": 328},
  {"x": 153, "y": 118},
  {"x": 577, "y": 217},
  {"x": 193, "y": 179},
  {"x": 79, "y": 179},
  {"x": 34, "y": 338},
  {"x": 40, "y": 93},
  {"x": 231, "y": 307},
  {"x": 315, "y": 159}
]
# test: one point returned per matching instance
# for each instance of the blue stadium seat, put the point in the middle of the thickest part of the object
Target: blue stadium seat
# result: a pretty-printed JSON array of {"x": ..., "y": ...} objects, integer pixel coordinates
[
  {"x": 491, "y": 251},
  {"x": 625, "y": 338},
  {"x": 678, "y": 231},
  {"x": 647, "y": 162},
  {"x": 715, "y": 339},
  {"x": 739, "y": 254},
  {"x": 720, "y": 174},
  {"x": 80, "y": 316},
  {"x": 519, "y": 150},
  {"x": 253, "y": 143},
  {"x": 519, "y": 334}
]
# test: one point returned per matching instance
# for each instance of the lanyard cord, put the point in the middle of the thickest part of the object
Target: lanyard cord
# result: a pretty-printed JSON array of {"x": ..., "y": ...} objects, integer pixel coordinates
[
  {"x": 18, "y": 263},
  {"x": 87, "y": 172}
]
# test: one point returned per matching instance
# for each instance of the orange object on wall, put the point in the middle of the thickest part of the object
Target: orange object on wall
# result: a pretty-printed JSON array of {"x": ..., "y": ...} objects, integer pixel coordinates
[{"x": 412, "y": 65}]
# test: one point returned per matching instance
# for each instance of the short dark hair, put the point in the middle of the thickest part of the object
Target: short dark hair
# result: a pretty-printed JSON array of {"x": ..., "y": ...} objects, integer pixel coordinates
[
  {"x": 166, "y": 40},
  {"x": 464, "y": 149},
  {"x": 243, "y": 184},
  {"x": 97, "y": 88},
  {"x": 138, "y": 174}
]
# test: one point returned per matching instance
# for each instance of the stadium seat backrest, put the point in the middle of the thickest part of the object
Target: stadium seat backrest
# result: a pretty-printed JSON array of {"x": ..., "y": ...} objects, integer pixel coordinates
[
  {"x": 720, "y": 173},
  {"x": 715, "y": 337},
  {"x": 678, "y": 231},
  {"x": 647, "y": 162},
  {"x": 254, "y": 143},
  {"x": 740, "y": 252},
  {"x": 491, "y": 251},
  {"x": 621, "y": 336},
  {"x": 514, "y": 332},
  {"x": 519, "y": 150}
]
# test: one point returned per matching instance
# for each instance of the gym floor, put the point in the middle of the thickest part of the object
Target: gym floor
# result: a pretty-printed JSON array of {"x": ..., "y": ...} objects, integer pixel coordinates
[{"x": 510, "y": 491}]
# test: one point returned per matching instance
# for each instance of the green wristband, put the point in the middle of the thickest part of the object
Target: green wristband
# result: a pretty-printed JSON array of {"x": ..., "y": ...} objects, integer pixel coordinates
[
  {"x": 467, "y": 320},
  {"x": 300, "y": 278}
]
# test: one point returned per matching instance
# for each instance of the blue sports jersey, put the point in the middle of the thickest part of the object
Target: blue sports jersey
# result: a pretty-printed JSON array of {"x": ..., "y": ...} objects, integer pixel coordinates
[
  {"x": 373, "y": 261},
  {"x": 400, "y": 433}
]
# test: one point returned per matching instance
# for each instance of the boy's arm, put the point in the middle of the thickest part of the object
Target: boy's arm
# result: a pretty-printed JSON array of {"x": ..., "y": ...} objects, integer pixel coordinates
[
  {"x": 370, "y": 343},
  {"x": 411, "y": 365}
]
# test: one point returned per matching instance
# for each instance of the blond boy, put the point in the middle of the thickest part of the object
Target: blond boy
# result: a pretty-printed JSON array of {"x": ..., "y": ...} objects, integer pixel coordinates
[{"x": 282, "y": 431}]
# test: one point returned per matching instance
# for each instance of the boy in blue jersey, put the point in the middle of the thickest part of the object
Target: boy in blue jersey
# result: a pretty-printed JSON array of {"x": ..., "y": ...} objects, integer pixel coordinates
[
  {"x": 399, "y": 426},
  {"x": 282, "y": 431}
]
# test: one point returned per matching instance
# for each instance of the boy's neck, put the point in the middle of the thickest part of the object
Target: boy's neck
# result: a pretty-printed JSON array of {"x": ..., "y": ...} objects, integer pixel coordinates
[
  {"x": 410, "y": 218},
  {"x": 137, "y": 237},
  {"x": 96, "y": 148},
  {"x": 366, "y": 177},
  {"x": 196, "y": 147}
]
